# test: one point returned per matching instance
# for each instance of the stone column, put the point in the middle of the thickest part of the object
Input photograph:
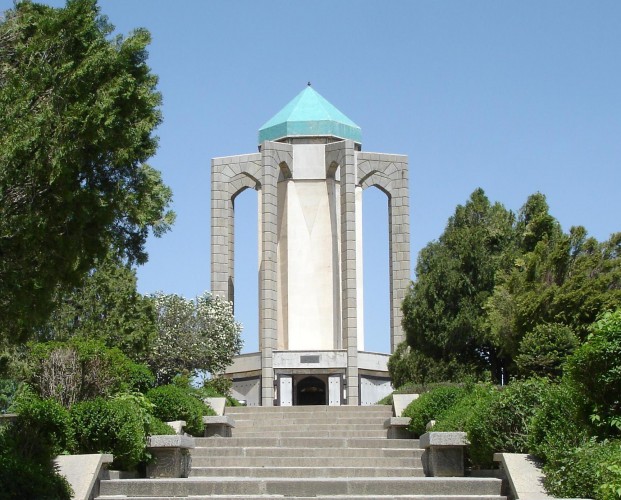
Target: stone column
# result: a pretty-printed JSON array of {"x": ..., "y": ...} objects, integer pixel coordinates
[
  {"x": 343, "y": 154},
  {"x": 399, "y": 230},
  {"x": 390, "y": 174},
  {"x": 273, "y": 156},
  {"x": 221, "y": 230}
]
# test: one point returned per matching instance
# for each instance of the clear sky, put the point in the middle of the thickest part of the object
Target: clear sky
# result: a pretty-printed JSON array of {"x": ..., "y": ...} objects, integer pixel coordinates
[{"x": 511, "y": 96}]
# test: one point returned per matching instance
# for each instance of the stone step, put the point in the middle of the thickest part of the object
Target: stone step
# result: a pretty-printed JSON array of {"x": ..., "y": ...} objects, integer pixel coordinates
[
  {"x": 242, "y": 451},
  {"x": 305, "y": 472},
  {"x": 302, "y": 460},
  {"x": 323, "y": 497},
  {"x": 384, "y": 412},
  {"x": 309, "y": 409},
  {"x": 327, "y": 433},
  {"x": 306, "y": 442},
  {"x": 319, "y": 426},
  {"x": 333, "y": 420},
  {"x": 300, "y": 487}
]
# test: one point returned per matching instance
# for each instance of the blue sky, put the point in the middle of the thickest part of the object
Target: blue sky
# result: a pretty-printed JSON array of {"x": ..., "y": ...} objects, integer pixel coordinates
[{"x": 514, "y": 97}]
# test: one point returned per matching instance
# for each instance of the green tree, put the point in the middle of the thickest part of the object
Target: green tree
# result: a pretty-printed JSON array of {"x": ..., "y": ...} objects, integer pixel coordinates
[
  {"x": 106, "y": 306},
  {"x": 543, "y": 351},
  {"x": 193, "y": 336},
  {"x": 595, "y": 370},
  {"x": 444, "y": 315},
  {"x": 77, "y": 112}
]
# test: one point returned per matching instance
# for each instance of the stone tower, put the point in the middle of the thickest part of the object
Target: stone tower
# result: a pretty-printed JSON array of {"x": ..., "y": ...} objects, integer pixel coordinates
[{"x": 309, "y": 173}]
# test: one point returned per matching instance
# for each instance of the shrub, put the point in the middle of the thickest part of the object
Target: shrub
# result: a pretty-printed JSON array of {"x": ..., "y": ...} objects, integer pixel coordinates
[
  {"x": 595, "y": 370},
  {"x": 133, "y": 377},
  {"x": 457, "y": 417},
  {"x": 27, "y": 446},
  {"x": 407, "y": 365},
  {"x": 558, "y": 424},
  {"x": 501, "y": 422},
  {"x": 79, "y": 370},
  {"x": 22, "y": 477},
  {"x": 176, "y": 403},
  {"x": 543, "y": 350},
  {"x": 8, "y": 389},
  {"x": 43, "y": 427},
  {"x": 431, "y": 405},
  {"x": 111, "y": 426},
  {"x": 157, "y": 427},
  {"x": 590, "y": 471}
]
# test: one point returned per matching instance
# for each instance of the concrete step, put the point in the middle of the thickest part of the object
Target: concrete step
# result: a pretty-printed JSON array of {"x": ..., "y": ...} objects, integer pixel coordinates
[
  {"x": 264, "y": 452},
  {"x": 302, "y": 460},
  {"x": 373, "y": 426},
  {"x": 306, "y": 442},
  {"x": 300, "y": 487},
  {"x": 333, "y": 420},
  {"x": 323, "y": 497},
  {"x": 309, "y": 409},
  {"x": 305, "y": 472},
  {"x": 327, "y": 433}
]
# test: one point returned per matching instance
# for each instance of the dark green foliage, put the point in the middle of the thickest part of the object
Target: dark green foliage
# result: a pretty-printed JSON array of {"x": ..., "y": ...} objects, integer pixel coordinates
[
  {"x": 8, "y": 389},
  {"x": 138, "y": 377},
  {"x": 110, "y": 426},
  {"x": 27, "y": 446},
  {"x": 28, "y": 479},
  {"x": 79, "y": 369},
  {"x": 558, "y": 424},
  {"x": 409, "y": 366},
  {"x": 543, "y": 351},
  {"x": 431, "y": 406},
  {"x": 443, "y": 313},
  {"x": 590, "y": 471},
  {"x": 105, "y": 306},
  {"x": 157, "y": 427},
  {"x": 595, "y": 370},
  {"x": 488, "y": 285},
  {"x": 457, "y": 417},
  {"x": 43, "y": 427},
  {"x": 502, "y": 422},
  {"x": 77, "y": 112},
  {"x": 176, "y": 403}
]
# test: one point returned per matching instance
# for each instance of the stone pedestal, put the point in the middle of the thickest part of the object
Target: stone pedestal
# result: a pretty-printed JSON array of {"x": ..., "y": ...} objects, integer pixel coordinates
[
  {"x": 444, "y": 453},
  {"x": 397, "y": 428},
  {"x": 171, "y": 456},
  {"x": 218, "y": 426}
]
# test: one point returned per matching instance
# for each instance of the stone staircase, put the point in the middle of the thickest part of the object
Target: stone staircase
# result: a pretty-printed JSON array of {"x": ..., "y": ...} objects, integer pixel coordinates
[{"x": 329, "y": 452}]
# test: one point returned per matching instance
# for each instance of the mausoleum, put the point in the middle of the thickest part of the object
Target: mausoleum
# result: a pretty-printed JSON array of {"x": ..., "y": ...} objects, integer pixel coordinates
[{"x": 310, "y": 172}]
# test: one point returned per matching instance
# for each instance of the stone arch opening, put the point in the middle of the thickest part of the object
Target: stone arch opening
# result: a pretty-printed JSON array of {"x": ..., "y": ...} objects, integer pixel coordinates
[
  {"x": 311, "y": 391},
  {"x": 245, "y": 294},
  {"x": 376, "y": 269}
]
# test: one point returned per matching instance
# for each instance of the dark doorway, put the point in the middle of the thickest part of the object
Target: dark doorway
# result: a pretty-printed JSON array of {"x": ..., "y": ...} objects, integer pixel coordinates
[{"x": 311, "y": 391}]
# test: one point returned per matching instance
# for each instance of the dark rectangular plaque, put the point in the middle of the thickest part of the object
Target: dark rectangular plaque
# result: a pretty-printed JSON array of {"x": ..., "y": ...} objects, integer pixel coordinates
[{"x": 309, "y": 359}]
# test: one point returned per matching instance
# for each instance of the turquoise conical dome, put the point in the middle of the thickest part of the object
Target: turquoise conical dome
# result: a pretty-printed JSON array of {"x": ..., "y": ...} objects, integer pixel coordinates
[{"x": 309, "y": 114}]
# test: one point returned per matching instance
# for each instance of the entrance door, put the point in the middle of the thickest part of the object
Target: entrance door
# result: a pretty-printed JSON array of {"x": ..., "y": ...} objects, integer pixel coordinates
[
  {"x": 285, "y": 390},
  {"x": 311, "y": 391}
]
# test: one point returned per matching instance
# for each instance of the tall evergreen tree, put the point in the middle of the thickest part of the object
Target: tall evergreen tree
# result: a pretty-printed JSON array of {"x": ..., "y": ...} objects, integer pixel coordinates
[{"x": 78, "y": 108}]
